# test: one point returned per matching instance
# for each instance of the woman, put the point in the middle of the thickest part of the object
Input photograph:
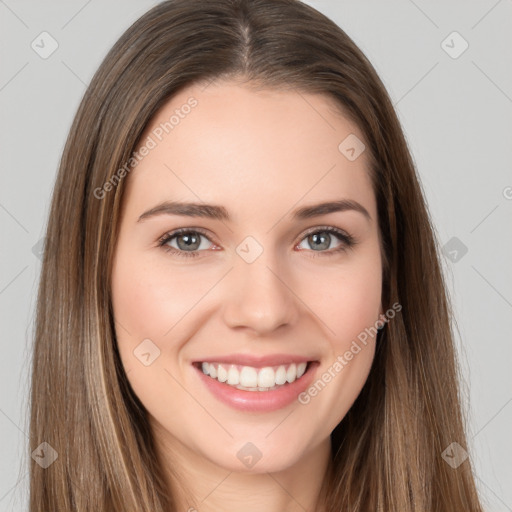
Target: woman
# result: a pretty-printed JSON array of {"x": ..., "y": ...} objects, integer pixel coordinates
[{"x": 241, "y": 301}]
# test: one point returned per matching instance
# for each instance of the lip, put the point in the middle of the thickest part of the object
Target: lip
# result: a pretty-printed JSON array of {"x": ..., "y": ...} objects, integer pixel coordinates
[
  {"x": 256, "y": 361},
  {"x": 258, "y": 401}
]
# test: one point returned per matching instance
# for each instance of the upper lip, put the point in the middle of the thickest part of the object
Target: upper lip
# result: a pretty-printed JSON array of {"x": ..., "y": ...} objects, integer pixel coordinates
[{"x": 257, "y": 361}]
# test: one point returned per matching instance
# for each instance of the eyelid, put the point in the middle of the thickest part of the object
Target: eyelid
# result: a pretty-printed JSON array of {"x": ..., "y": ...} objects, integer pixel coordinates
[
  {"x": 328, "y": 228},
  {"x": 174, "y": 232}
]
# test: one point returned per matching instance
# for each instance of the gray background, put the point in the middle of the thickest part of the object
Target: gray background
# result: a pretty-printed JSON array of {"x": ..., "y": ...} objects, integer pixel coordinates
[{"x": 457, "y": 116}]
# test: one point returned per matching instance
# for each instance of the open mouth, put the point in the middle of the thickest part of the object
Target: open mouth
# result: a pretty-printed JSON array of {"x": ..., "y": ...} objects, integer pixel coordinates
[{"x": 248, "y": 378}]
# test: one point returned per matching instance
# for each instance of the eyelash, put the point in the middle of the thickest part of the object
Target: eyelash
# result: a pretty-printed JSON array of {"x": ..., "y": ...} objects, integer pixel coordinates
[{"x": 347, "y": 241}]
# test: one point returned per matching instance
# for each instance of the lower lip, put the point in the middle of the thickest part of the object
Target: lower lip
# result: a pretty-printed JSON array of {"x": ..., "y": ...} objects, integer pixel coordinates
[{"x": 259, "y": 401}]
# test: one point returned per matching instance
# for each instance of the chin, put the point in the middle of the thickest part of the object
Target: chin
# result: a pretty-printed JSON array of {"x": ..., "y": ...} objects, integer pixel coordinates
[{"x": 257, "y": 456}]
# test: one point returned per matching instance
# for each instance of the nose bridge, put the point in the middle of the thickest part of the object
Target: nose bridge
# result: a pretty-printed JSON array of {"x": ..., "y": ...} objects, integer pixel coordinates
[{"x": 260, "y": 297}]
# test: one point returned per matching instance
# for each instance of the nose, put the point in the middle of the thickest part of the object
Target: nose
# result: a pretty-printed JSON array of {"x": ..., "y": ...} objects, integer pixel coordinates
[{"x": 260, "y": 297}]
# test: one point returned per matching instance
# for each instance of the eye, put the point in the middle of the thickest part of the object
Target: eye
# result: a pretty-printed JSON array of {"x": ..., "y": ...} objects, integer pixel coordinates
[
  {"x": 321, "y": 238},
  {"x": 188, "y": 242}
]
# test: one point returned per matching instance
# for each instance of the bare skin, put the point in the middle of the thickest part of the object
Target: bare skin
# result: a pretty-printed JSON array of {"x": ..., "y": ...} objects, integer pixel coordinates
[{"x": 260, "y": 155}]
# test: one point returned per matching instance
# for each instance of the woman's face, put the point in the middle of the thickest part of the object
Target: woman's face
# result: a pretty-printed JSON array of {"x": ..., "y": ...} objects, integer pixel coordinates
[{"x": 258, "y": 285}]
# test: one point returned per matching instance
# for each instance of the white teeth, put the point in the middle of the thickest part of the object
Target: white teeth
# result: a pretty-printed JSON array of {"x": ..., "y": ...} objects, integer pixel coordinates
[
  {"x": 266, "y": 378},
  {"x": 291, "y": 373},
  {"x": 222, "y": 374},
  {"x": 281, "y": 375},
  {"x": 249, "y": 378},
  {"x": 233, "y": 376}
]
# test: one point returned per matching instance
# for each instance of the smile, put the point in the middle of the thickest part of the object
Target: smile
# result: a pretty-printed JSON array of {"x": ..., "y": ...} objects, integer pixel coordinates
[{"x": 256, "y": 388}]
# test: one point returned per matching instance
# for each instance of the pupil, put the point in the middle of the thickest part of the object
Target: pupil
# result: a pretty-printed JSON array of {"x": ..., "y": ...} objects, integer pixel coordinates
[{"x": 325, "y": 237}]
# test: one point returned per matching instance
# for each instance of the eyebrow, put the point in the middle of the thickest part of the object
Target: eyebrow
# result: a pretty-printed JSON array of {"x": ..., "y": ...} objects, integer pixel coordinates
[{"x": 215, "y": 212}]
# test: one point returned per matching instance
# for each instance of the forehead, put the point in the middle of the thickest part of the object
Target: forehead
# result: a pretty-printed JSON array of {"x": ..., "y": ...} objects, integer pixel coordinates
[{"x": 231, "y": 144}]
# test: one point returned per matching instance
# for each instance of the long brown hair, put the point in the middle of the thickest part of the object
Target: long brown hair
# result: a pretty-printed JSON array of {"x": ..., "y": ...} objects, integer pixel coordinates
[{"x": 387, "y": 451}]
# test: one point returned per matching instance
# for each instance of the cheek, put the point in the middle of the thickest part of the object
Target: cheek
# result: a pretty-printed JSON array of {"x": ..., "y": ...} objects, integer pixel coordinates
[
  {"x": 148, "y": 300},
  {"x": 349, "y": 308},
  {"x": 147, "y": 304},
  {"x": 140, "y": 309},
  {"x": 153, "y": 302},
  {"x": 355, "y": 305},
  {"x": 347, "y": 300}
]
